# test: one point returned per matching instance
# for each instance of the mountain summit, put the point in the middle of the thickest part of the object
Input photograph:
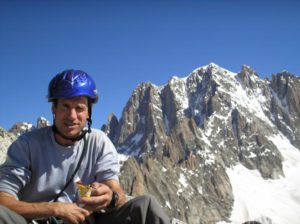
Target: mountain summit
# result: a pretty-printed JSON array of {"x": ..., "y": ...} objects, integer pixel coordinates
[{"x": 189, "y": 140}]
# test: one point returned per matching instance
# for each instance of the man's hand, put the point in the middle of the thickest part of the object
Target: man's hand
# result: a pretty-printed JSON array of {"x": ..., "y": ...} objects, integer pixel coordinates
[
  {"x": 70, "y": 212},
  {"x": 101, "y": 196}
]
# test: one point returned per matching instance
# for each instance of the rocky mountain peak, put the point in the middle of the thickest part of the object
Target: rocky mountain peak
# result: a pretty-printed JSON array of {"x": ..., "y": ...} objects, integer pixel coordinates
[
  {"x": 211, "y": 69},
  {"x": 286, "y": 105},
  {"x": 247, "y": 71},
  {"x": 182, "y": 137},
  {"x": 111, "y": 127},
  {"x": 42, "y": 122},
  {"x": 22, "y": 127}
]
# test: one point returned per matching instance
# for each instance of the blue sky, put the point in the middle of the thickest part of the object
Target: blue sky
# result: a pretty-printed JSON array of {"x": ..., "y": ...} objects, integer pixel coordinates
[{"x": 124, "y": 43}]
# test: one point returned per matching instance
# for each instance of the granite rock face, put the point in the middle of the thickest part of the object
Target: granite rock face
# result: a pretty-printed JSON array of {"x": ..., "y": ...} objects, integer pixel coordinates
[
  {"x": 181, "y": 137},
  {"x": 6, "y": 138}
]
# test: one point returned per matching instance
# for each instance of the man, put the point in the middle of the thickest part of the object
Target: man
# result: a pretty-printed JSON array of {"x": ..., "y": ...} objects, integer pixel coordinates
[{"x": 37, "y": 181}]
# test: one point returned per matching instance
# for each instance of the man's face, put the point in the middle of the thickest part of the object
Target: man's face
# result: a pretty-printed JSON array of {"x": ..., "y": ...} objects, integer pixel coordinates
[{"x": 71, "y": 115}]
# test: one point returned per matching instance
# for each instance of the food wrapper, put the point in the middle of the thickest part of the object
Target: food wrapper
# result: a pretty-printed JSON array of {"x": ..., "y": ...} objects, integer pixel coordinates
[{"x": 84, "y": 190}]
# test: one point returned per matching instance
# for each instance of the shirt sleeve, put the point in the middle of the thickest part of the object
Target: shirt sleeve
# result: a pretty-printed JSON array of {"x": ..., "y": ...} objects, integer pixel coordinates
[
  {"x": 107, "y": 162},
  {"x": 15, "y": 171}
]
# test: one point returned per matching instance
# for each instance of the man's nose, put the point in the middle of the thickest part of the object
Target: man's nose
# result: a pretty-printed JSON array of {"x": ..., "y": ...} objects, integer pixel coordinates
[{"x": 72, "y": 113}]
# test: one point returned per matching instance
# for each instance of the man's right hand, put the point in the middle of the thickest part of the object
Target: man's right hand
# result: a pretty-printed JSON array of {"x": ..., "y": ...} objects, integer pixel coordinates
[{"x": 69, "y": 212}]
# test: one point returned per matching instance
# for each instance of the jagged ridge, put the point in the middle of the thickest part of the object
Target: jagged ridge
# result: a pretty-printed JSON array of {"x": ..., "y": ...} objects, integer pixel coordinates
[{"x": 185, "y": 134}]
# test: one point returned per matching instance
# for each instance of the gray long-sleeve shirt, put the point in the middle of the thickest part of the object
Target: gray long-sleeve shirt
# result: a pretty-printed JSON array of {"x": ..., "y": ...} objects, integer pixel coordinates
[{"x": 37, "y": 168}]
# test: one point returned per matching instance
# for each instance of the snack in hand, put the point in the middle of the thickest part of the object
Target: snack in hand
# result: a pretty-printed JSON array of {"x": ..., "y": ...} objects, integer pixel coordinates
[{"x": 84, "y": 190}]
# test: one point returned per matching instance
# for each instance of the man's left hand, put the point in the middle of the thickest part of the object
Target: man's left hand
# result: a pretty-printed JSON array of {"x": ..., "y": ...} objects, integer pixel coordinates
[{"x": 101, "y": 196}]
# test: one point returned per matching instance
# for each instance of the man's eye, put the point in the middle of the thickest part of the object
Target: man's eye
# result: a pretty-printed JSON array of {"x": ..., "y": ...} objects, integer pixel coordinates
[
  {"x": 65, "y": 107},
  {"x": 80, "y": 109}
]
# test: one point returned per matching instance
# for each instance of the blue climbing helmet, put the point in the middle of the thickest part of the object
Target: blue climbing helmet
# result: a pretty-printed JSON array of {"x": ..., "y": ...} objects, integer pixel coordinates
[{"x": 71, "y": 83}]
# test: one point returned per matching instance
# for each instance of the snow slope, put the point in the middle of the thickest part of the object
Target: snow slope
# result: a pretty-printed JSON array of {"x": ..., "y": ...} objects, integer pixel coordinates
[{"x": 268, "y": 201}]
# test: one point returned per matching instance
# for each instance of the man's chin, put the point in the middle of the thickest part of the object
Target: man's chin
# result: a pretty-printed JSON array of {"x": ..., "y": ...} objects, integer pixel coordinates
[{"x": 71, "y": 133}]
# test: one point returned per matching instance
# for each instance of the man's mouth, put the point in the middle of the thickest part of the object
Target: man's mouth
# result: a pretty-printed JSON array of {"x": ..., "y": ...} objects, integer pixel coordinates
[{"x": 71, "y": 125}]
